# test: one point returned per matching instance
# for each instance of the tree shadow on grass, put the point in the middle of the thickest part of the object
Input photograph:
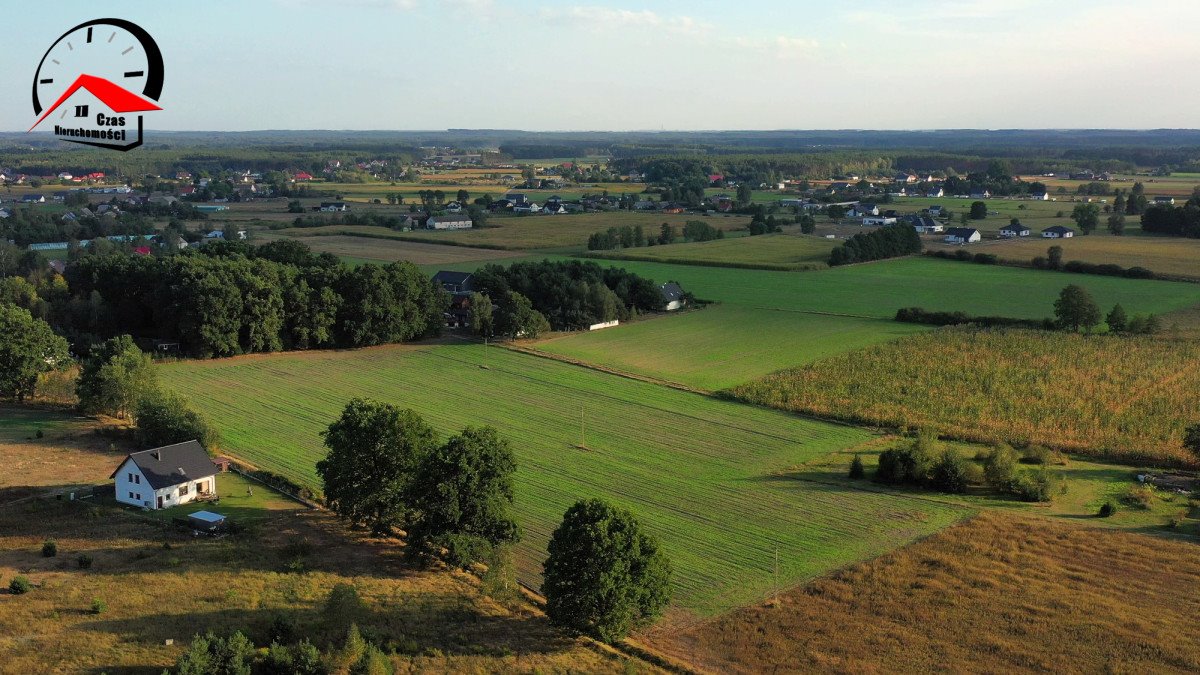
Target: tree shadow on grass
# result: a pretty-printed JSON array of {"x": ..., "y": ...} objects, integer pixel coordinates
[{"x": 424, "y": 622}]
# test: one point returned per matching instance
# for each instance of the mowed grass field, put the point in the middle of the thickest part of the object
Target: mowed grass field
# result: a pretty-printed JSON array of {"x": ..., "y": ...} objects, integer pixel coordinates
[
  {"x": 785, "y": 251},
  {"x": 768, "y": 320},
  {"x": 700, "y": 473},
  {"x": 364, "y": 249},
  {"x": 879, "y": 289},
  {"x": 996, "y": 594},
  {"x": 534, "y": 231},
  {"x": 722, "y": 345},
  {"x": 1123, "y": 397}
]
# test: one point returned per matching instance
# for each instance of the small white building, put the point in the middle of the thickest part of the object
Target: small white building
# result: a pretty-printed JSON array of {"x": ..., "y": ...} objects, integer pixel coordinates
[
  {"x": 672, "y": 295},
  {"x": 1058, "y": 232},
  {"x": 449, "y": 223},
  {"x": 962, "y": 235},
  {"x": 878, "y": 220},
  {"x": 166, "y": 476}
]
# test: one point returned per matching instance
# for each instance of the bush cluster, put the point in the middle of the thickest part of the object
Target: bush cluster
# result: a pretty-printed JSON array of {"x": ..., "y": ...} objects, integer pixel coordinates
[
  {"x": 923, "y": 316},
  {"x": 886, "y": 242}
]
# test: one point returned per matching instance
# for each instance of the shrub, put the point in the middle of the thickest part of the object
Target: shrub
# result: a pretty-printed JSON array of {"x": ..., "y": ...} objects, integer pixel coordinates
[
  {"x": 1107, "y": 509},
  {"x": 19, "y": 586},
  {"x": 85, "y": 561},
  {"x": 949, "y": 473},
  {"x": 49, "y": 549},
  {"x": 343, "y": 607},
  {"x": 99, "y": 606},
  {"x": 1139, "y": 496},
  {"x": 986, "y": 258},
  {"x": 1036, "y": 454},
  {"x": 1033, "y": 486},
  {"x": 999, "y": 468},
  {"x": 856, "y": 468}
]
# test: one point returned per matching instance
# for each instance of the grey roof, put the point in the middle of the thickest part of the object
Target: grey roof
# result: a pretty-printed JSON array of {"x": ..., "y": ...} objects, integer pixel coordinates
[
  {"x": 1015, "y": 228},
  {"x": 453, "y": 278},
  {"x": 1058, "y": 229},
  {"x": 172, "y": 464},
  {"x": 964, "y": 232},
  {"x": 671, "y": 291}
]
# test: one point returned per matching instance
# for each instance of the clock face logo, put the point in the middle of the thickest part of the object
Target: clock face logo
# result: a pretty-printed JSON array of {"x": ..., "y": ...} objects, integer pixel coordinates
[{"x": 95, "y": 82}]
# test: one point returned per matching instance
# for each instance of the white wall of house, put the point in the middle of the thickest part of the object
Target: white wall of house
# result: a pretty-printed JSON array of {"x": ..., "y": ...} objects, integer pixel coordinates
[
  {"x": 133, "y": 489},
  {"x": 674, "y": 305}
]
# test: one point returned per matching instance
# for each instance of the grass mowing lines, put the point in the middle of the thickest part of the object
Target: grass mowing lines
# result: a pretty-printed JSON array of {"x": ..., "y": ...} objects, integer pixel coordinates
[
  {"x": 723, "y": 345},
  {"x": 698, "y": 471}
]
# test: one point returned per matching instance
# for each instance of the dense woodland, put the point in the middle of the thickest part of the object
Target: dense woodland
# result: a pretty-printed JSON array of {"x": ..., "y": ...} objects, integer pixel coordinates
[
  {"x": 1181, "y": 221},
  {"x": 572, "y": 294},
  {"x": 886, "y": 242},
  {"x": 229, "y": 298}
]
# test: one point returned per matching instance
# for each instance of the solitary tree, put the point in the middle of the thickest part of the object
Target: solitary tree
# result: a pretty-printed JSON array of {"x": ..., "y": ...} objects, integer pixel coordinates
[
  {"x": 517, "y": 318},
  {"x": 482, "y": 319},
  {"x": 1086, "y": 216},
  {"x": 1116, "y": 224},
  {"x": 463, "y": 493},
  {"x": 166, "y": 418},
  {"x": 113, "y": 377},
  {"x": 1076, "y": 309},
  {"x": 978, "y": 210},
  {"x": 28, "y": 347},
  {"x": 1054, "y": 256},
  {"x": 744, "y": 194},
  {"x": 604, "y": 576},
  {"x": 374, "y": 448},
  {"x": 1117, "y": 320}
]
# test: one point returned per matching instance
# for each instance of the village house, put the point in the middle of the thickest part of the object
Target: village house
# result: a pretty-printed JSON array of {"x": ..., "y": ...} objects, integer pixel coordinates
[
  {"x": 333, "y": 206},
  {"x": 1040, "y": 196},
  {"x": 981, "y": 194},
  {"x": 1164, "y": 201},
  {"x": 1057, "y": 232},
  {"x": 962, "y": 235},
  {"x": 672, "y": 295},
  {"x": 454, "y": 282},
  {"x": 924, "y": 224},
  {"x": 936, "y": 192},
  {"x": 451, "y": 222},
  {"x": 861, "y": 210},
  {"x": 1011, "y": 231},
  {"x": 166, "y": 476},
  {"x": 33, "y": 199}
]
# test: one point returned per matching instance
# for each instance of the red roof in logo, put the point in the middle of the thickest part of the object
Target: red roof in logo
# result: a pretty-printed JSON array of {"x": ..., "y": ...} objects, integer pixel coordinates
[{"x": 118, "y": 99}]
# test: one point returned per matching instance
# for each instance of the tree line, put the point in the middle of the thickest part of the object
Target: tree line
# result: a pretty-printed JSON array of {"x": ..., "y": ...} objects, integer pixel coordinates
[
  {"x": 571, "y": 294},
  {"x": 1179, "y": 221},
  {"x": 230, "y": 298},
  {"x": 886, "y": 242},
  {"x": 634, "y": 236}
]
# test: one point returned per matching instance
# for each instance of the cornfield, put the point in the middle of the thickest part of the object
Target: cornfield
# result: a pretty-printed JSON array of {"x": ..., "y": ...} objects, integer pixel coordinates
[{"x": 1128, "y": 398}]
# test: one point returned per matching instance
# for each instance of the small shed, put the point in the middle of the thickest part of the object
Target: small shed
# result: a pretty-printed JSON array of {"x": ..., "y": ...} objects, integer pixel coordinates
[{"x": 206, "y": 520}]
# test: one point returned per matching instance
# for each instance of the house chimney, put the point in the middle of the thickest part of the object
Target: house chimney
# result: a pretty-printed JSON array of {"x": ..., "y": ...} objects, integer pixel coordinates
[{"x": 157, "y": 455}]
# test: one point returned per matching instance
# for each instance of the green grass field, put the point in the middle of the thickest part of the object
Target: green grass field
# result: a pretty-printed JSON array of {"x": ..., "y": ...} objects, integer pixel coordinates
[
  {"x": 723, "y": 345},
  {"x": 789, "y": 250},
  {"x": 879, "y": 289},
  {"x": 700, "y": 473}
]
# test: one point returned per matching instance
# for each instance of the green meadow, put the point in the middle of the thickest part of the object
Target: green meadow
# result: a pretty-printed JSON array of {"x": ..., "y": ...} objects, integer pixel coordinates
[{"x": 706, "y": 476}]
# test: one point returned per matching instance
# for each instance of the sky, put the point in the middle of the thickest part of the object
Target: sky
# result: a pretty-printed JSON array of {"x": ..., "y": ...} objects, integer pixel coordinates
[{"x": 624, "y": 65}]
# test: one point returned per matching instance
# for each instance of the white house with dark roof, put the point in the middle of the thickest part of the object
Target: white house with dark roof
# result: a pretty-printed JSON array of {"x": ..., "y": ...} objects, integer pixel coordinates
[
  {"x": 962, "y": 235},
  {"x": 672, "y": 295},
  {"x": 164, "y": 477},
  {"x": 1057, "y": 232},
  {"x": 1012, "y": 231}
]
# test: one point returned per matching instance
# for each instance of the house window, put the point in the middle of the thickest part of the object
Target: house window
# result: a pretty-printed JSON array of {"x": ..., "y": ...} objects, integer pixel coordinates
[
  {"x": 131, "y": 496},
  {"x": 183, "y": 489},
  {"x": 137, "y": 478}
]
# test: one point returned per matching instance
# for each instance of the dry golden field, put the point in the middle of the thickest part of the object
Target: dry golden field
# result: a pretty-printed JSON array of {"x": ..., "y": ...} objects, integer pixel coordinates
[{"x": 995, "y": 594}]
